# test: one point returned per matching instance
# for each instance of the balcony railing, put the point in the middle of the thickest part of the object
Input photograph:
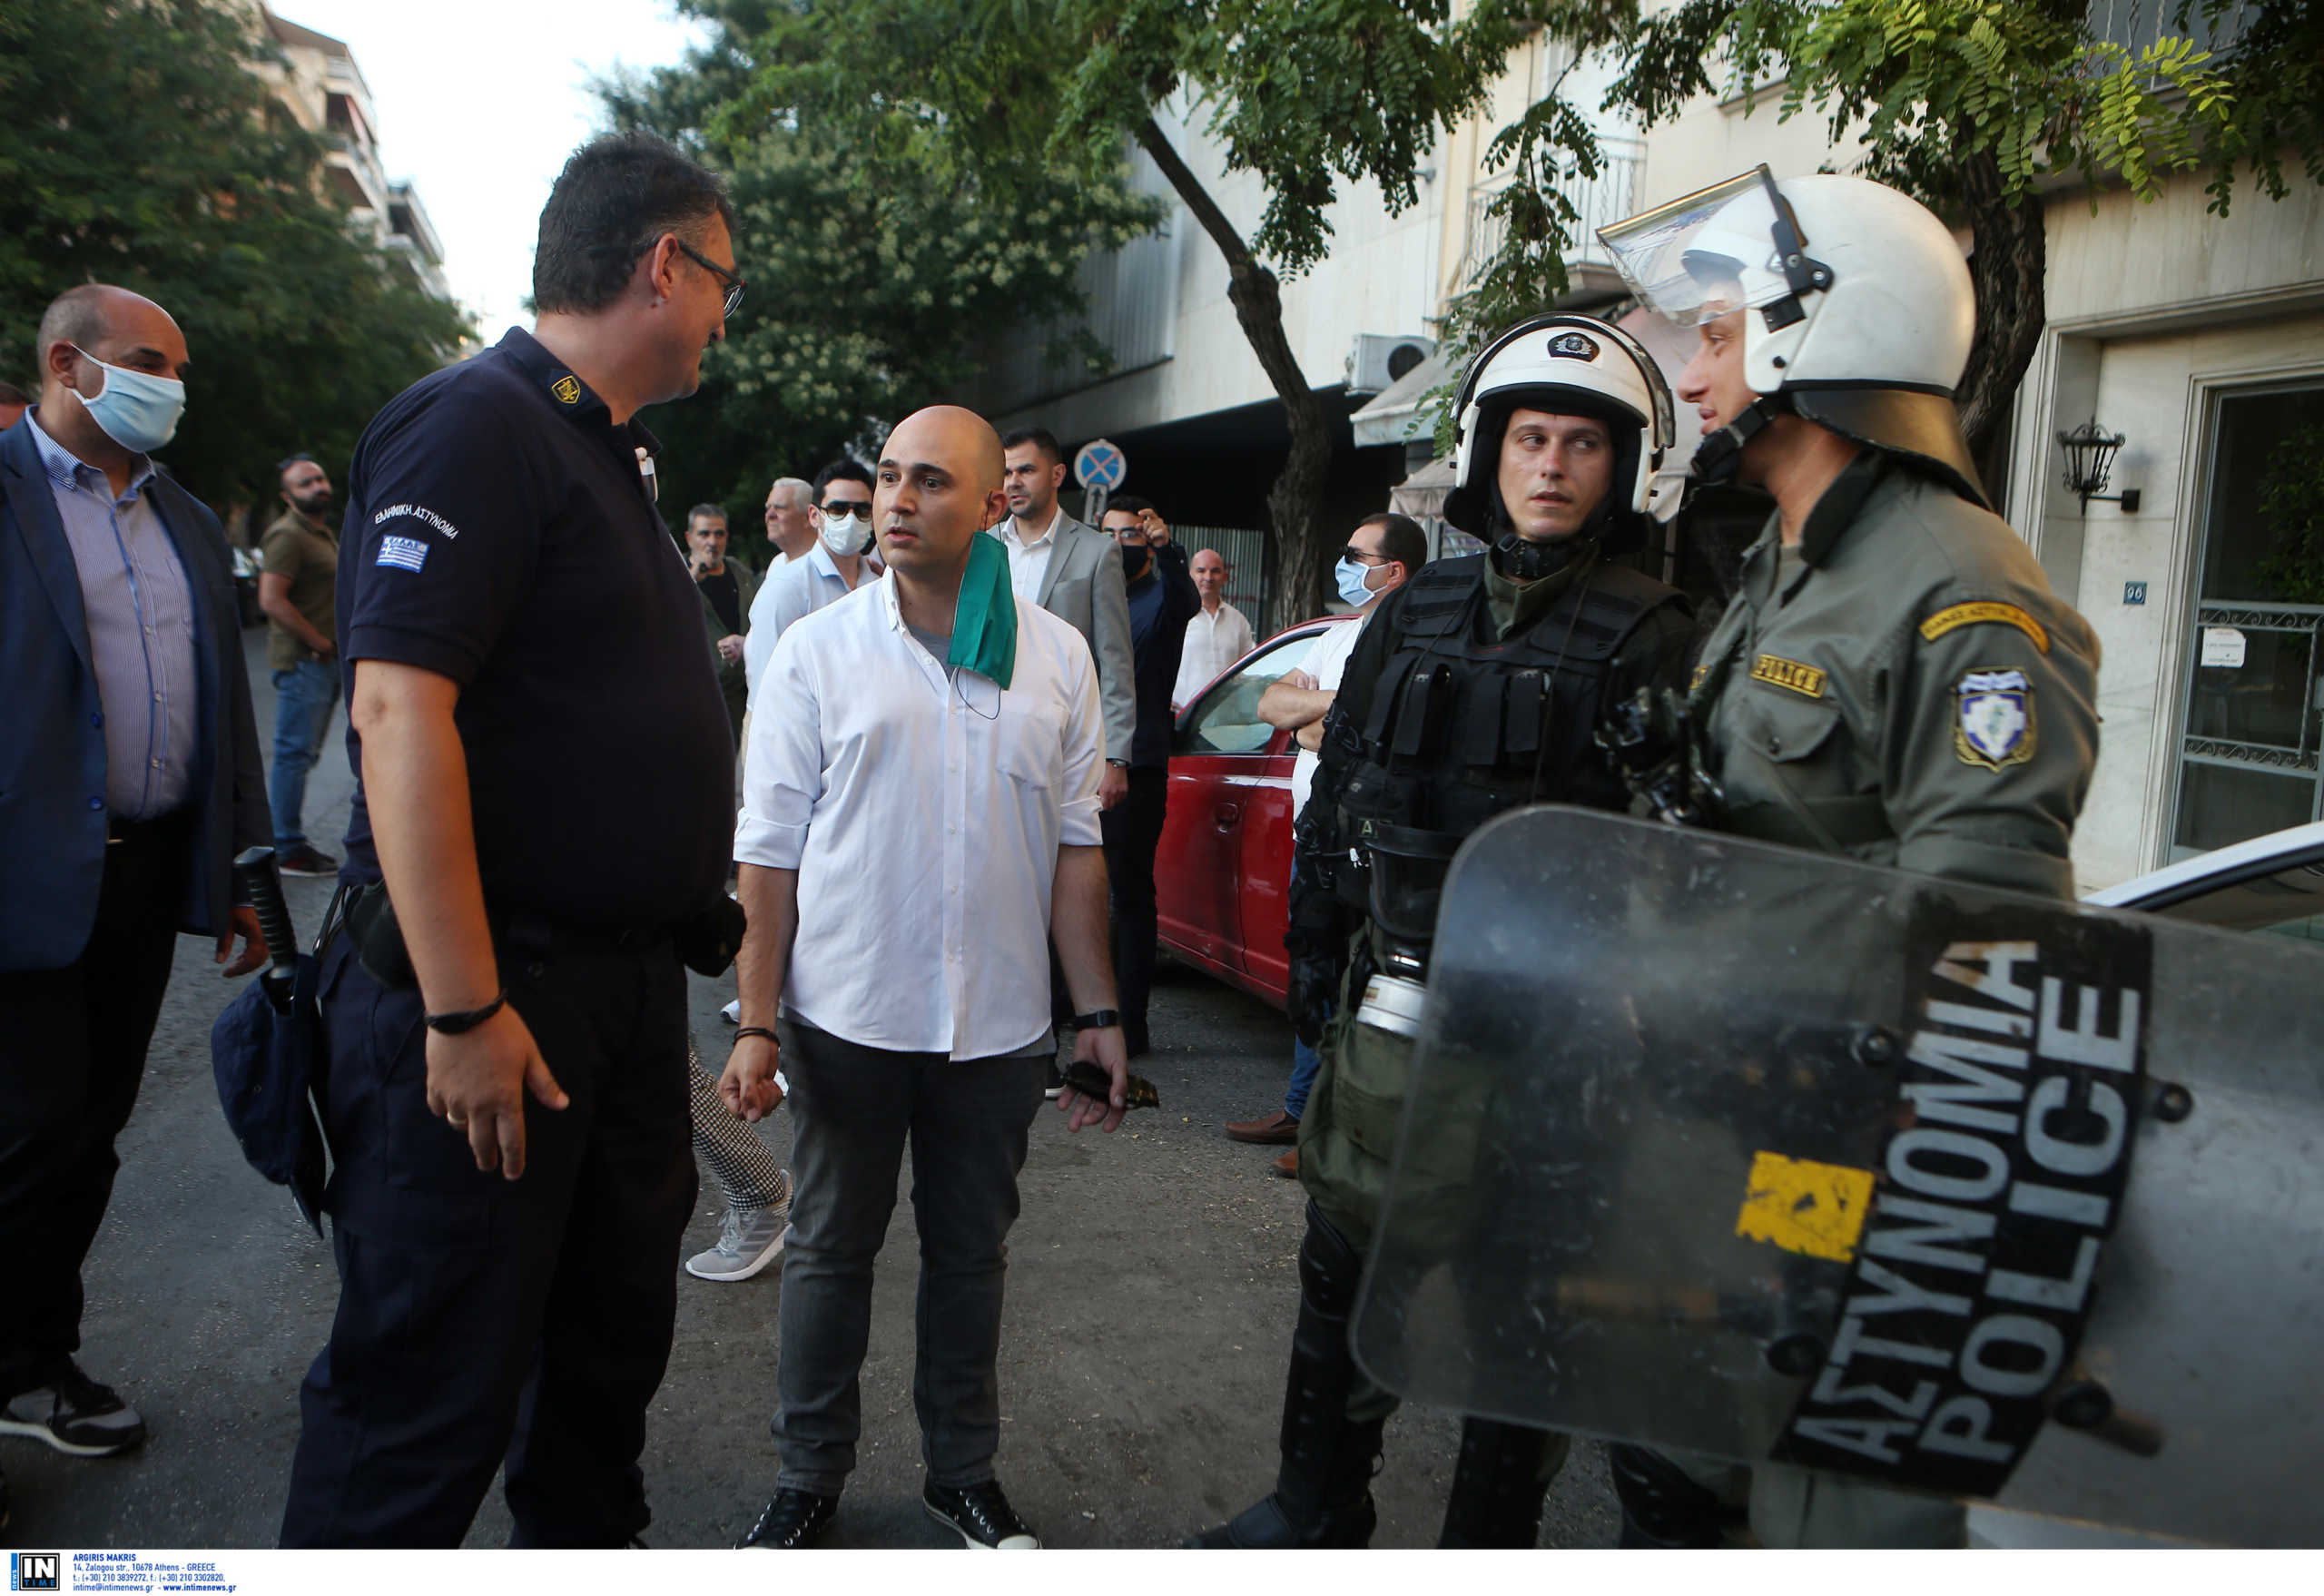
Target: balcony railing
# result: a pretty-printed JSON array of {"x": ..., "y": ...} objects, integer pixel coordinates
[{"x": 1600, "y": 201}]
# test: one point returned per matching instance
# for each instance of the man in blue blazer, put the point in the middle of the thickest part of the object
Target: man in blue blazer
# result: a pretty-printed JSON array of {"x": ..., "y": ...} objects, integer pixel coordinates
[{"x": 129, "y": 778}]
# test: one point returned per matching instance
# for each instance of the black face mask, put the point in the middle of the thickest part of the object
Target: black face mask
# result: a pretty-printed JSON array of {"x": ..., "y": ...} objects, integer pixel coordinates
[{"x": 1134, "y": 561}]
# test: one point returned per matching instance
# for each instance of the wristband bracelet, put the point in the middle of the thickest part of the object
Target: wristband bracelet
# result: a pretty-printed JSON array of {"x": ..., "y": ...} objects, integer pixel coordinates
[
  {"x": 464, "y": 1019},
  {"x": 757, "y": 1030},
  {"x": 1098, "y": 1020}
]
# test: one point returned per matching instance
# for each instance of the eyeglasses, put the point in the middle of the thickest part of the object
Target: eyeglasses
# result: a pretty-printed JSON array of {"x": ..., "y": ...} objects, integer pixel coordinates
[
  {"x": 1353, "y": 553},
  {"x": 839, "y": 507},
  {"x": 735, "y": 285}
]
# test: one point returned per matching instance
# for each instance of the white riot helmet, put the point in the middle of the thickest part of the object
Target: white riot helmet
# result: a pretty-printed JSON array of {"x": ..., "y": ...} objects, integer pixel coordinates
[
  {"x": 1570, "y": 365},
  {"x": 1861, "y": 308}
]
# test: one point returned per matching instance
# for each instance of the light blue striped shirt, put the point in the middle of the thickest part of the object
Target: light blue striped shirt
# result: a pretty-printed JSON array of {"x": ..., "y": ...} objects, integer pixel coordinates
[{"x": 140, "y": 615}]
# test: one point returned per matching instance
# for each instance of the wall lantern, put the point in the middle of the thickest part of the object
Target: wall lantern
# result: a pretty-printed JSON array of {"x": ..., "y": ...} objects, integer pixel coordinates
[{"x": 2090, "y": 454}]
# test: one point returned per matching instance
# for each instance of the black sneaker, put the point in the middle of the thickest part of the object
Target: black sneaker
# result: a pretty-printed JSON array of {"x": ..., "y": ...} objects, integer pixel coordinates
[
  {"x": 792, "y": 1520},
  {"x": 980, "y": 1514},
  {"x": 74, "y": 1414},
  {"x": 302, "y": 859}
]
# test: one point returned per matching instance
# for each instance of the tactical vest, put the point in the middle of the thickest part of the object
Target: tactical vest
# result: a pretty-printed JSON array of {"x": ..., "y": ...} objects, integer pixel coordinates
[{"x": 1465, "y": 725}]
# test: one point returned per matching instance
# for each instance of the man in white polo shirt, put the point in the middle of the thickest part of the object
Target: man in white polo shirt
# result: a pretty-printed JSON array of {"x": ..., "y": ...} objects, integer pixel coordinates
[{"x": 918, "y": 815}]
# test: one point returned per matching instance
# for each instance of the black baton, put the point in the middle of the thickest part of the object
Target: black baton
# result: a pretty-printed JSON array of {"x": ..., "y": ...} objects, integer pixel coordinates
[{"x": 254, "y": 874}]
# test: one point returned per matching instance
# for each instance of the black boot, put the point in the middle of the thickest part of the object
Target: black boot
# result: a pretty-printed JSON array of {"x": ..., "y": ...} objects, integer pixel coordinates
[
  {"x": 1322, "y": 1492},
  {"x": 1662, "y": 1508},
  {"x": 1504, "y": 1472}
]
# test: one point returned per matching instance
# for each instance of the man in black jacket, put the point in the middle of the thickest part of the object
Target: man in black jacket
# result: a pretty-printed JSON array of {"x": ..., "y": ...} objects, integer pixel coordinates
[
  {"x": 1162, "y": 599},
  {"x": 129, "y": 778}
]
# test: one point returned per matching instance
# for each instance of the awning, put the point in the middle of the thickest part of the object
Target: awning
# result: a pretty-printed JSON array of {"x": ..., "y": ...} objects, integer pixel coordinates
[
  {"x": 1420, "y": 495},
  {"x": 1395, "y": 415}
]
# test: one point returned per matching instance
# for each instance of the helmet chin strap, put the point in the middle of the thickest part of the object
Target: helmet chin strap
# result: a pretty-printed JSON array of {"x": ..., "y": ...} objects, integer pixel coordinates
[
  {"x": 1719, "y": 456},
  {"x": 1521, "y": 559}
]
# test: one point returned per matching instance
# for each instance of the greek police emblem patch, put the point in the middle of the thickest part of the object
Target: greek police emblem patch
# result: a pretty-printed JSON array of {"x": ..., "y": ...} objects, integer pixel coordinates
[
  {"x": 1994, "y": 719},
  {"x": 1575, "y": 346},
  {"x": 568, "y": 390}
]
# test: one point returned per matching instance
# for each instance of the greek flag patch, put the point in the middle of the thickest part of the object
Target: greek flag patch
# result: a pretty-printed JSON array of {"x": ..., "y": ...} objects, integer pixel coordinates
[{"x": 406, "y": 553}]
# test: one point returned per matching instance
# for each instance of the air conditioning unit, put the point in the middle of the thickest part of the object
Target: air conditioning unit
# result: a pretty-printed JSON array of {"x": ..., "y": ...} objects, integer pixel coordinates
[{"x": 1379, "y": 359}]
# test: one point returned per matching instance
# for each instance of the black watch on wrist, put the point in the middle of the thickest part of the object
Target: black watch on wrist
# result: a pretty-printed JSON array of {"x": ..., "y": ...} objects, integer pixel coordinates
[
  {"x": 1118, "y": 763},
  {"x": 1098, "y": 1020}
]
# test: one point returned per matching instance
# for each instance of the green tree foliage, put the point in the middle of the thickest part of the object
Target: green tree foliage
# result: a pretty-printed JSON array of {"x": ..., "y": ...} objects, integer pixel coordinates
[
  {"x": 138, "y": 149},
  {"x": 877, "y": 284},
  {"x": 2291, "y": 506},
  {"x": 1304, "y": 95},
  {"x": 1976, "y": 106}
]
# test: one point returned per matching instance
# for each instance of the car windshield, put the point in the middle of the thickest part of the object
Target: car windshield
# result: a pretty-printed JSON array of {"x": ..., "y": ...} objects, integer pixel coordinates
[
  {"x": 1225, "y": 720},
  {"x": 2285, "y": 902}
]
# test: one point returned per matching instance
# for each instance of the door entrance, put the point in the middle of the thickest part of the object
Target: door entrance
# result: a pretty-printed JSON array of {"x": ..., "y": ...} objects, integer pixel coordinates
[{"x": 2248, "y": 758}]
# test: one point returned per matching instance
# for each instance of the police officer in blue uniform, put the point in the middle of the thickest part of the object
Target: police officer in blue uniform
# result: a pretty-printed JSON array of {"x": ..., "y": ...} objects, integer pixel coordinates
[{"x": 541, "y": 828}]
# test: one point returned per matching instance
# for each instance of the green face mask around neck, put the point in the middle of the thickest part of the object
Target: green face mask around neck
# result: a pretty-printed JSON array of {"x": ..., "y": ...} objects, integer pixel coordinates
[{"x": 984, "y": 618}]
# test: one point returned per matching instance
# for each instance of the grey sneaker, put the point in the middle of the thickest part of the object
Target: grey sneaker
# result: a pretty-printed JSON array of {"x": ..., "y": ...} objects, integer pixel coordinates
[
  {"x": 749, "y": 1239},
  {"x": 74, "y": 1414}
]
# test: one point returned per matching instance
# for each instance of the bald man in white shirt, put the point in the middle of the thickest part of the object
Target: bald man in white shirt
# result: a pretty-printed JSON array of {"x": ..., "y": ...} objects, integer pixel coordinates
[{"x": 920, "y": 811}]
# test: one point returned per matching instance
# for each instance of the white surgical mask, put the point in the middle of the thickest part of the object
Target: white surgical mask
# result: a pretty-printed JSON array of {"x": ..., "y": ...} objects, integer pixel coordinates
[
  {"x": 1355, "y": 578},
  {"x": 136, "y": 411},
  {"x": 844, "y": 535}
]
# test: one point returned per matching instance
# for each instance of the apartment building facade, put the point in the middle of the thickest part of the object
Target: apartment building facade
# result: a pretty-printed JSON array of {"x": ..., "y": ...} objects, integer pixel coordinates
[{"x": 319, "y": 85}]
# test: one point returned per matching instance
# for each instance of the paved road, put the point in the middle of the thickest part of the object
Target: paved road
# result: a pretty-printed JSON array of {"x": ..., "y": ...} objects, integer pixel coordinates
[{"x": 1151, "y": 1292}]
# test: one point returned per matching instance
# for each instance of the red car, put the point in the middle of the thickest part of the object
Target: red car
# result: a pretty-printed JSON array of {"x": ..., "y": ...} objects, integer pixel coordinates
[{"x": 1223, "y": 870}]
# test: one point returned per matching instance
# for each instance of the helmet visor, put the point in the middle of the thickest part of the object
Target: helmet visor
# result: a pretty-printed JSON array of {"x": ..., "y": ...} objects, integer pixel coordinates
[{"x": 1705, "y": 254}]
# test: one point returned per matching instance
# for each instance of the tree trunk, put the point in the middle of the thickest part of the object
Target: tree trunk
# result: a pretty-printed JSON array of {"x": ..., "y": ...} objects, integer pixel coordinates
[
  {"x": 1295, "y": 501},
  {"x": 2006, "y": 269}
]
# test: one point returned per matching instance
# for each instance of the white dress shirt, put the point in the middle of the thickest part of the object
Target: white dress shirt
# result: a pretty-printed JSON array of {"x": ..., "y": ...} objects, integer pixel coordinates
[
  {"x": 792, "y": 589},
  {"x": 925, "y": 817},
  {"x": 1213, "y": 641},
  {"x": 1028, "y": 557},
  {"x": 1327, "y": 662}
]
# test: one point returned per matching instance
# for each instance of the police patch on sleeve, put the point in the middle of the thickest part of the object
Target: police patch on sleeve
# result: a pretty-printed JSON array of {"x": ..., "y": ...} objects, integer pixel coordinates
[
  {"x": 1985, "y": 613},
  {"x": 1992, "y": 725}
]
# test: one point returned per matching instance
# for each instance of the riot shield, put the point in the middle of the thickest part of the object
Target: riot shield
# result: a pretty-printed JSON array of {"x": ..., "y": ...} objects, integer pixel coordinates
[{"x": 1766, "y": 1154}]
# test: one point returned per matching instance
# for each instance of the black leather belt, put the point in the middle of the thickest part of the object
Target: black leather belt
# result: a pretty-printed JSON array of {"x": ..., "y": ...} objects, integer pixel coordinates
[
  {"x": 120, "y": 832},
  {"x": 538, "y": 939}
]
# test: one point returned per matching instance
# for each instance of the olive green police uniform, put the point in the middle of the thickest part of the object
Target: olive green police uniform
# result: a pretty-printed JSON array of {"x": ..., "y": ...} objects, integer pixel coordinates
[{"x": 1901, "y": 686}]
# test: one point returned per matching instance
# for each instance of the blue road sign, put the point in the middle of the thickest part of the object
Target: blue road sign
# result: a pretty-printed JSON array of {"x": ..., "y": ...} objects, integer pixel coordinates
[{"x": 1101, "y": 465}]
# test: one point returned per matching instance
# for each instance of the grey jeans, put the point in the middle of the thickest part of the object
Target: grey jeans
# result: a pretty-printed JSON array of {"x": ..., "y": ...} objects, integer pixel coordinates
[{"x": 852, "y": 1110}]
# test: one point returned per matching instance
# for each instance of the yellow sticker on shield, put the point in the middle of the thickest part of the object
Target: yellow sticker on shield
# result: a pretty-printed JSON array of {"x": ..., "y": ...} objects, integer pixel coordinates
[{"x": 1817, "y": 1210}]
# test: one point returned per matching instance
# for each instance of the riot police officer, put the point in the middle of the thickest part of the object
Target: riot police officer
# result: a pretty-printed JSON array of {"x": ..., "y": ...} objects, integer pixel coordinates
[
  {"x": 1894, "y": 679},
  {"x": 1474, "y": 689}
]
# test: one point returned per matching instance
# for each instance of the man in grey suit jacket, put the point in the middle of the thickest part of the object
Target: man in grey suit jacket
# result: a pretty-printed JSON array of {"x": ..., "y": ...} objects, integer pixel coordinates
[
  {"x": 129, "y": 777},
  {"x": 1076, "y": 574}
]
